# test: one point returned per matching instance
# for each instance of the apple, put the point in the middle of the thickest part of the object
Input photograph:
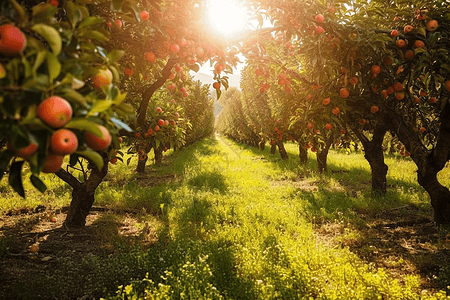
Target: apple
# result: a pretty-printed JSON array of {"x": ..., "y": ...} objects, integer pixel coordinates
[
  {"x": 326, "y": 101},
  {"x": 52, "y": 163},
  {"x": 398, "y": 86},
  {"x": 63, "y": 142},
  {"x": 394, "y": 33},
  {"x": 216, "y": 85},
  {"x": 129, "y": 71},
  {"x": 150, "y": 56},
  {"x": 374, "y": 109},
  {"x": 320, "y": 18},
  {"x": 12, "y": 40},
  {"x": 409, "y": 54},
  {"x": 161, "y": 122},
  {"x": 432, "y": 25},
  {"x": 400, "y": 43},
  {"x": 419, "y": 44},
  {"x": 319, "y": 29},
  {"x": 144, "y": 15},
  {"x": 344, "y": 93},
  {"x": 98, "y": 143},
  {"x": 54, "y": 111},
  {"x": 102, "y": 78},
  {"x": 375, "y": 69},
  {"x": 408, "y": 28},
  {"x": 159, "y": 110}
]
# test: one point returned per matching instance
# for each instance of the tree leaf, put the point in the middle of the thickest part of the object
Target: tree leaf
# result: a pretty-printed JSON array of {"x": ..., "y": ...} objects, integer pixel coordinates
[
  {"x": 84, "y": 124},
  {"x": 5, "y": 158},
  {"x": 15, "y": 177},
  {"x": 194, "y": 67},
  {"x": 92, "y": 156},
  {"x": 94, "y": 35},
  {"x": 115, "y": 55},
  {"x": 50, "y": 35},
  {"x": 53, "y": 66},
  {"x": 40, "y": 57},
  {"x": 22, "y": 16},
  {"x": 38, "y": 183},
  {"x": 121, "y": 125},
  {"x": 116, "y": 5},
  {"x": 73, "y": 96},
  {"x": 89, "y": 21},
  {"x": 100, "y": 106}
]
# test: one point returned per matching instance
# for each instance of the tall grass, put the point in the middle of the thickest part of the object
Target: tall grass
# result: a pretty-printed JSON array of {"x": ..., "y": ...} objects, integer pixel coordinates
[{"x": 238, "y": 223}]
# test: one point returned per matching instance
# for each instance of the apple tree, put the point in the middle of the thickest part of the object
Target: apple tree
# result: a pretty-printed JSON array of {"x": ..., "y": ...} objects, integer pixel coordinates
[
  {"x": 58, "y": 94},
  {"x": 399, "y": 55}
]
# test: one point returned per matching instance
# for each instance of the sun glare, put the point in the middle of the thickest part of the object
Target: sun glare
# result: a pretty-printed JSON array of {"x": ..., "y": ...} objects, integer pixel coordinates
[{"x": 227, "y": 18}]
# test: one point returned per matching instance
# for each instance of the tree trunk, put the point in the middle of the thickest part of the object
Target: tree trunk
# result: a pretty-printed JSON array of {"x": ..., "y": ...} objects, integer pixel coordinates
[
  {"x": 302, "y": 154},
  {"x": 322, "y": 155},
  {"x": 140, "y": 168},
  {"x": 141, "y": 165},
  {"x": 429, "y": 163},
  {"x": 262, "y": 145},
  {"x": 373, "y": 153},
  {"x": 158, "y": 155},
  {"x": 273, "y": 148},
  {"x": 282, "y": 150},
  {"x": 82, "y": 193}
]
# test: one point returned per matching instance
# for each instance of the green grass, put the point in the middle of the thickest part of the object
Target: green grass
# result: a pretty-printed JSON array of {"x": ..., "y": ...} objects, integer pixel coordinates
[{"x": 238, "y": 223}]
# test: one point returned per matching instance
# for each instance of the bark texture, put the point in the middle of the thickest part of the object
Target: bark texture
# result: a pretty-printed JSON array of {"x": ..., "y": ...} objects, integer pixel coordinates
[
  {"x": 373, "y": 153},
  {"x": 303, "y": 154},
  {"x": 428, "y": 162},
  {"x": 82, "y": 194},
  {"x": 322, "y": 155},
  {"x": 282, "y": 150}
]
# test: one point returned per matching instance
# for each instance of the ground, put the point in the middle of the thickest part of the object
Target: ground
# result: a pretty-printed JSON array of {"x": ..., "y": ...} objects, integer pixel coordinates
[{"x": 403, "y": 240}]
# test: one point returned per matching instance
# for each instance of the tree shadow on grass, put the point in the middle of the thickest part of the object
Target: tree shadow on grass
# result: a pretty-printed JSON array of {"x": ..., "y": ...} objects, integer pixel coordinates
[{"x": 211, "y": 181}]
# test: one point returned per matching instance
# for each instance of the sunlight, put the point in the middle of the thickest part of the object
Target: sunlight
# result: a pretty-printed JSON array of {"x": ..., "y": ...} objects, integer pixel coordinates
[{"x": 227, "y": 18}]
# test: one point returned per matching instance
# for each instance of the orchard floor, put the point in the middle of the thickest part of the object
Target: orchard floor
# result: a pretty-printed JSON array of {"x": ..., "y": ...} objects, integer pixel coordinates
[{"x": 402, "y": 240}]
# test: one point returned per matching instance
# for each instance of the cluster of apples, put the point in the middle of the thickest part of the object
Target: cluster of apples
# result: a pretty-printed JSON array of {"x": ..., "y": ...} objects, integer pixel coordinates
[
  {"x": 57, "y": 112},
  {"x": 54, "y": 111}
]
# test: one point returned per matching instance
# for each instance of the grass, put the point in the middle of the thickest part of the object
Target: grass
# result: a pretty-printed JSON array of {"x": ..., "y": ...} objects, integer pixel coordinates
[{"x": 234, "y": 222}]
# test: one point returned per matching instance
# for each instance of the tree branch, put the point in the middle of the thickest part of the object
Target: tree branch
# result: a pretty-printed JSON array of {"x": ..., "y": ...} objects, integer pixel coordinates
[
  {"x": 148, "y": 93},
  {"x": 67, "y": 178}
]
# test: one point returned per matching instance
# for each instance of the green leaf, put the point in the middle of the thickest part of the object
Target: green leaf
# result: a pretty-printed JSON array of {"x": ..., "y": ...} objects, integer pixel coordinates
[
  {"x": 218, "y": 93},
  {"x": 157, "y": 143},
  {"x": 121, "y": 125},
  {"x": 194, "y": 68},
  {"x": 100, "y": 106},
  {"x": 115, "y": 55},
  {"x": 15, "y": 177},
  {"x": 40, "y": 57},
  {"x": 84, "y": 124},
  {"x": 40, "y": 82},
  {"x": 116, "y": 5},
  {"x": 92, "y": 156},
  {"x": 119, "y": 98},
  {"x": 73, "y": 13},
  {"x": 73, "y": 96},
  {"x": 22, "y": 15},
  {"x": 94, "y": 35},
  {"x": 43, "y": 11},
  {"x": 50, "y": 35},
  {"x": 53, "y": 66},
  {"x": 116, "y": 75},
  {"x": 38, "y": 183},
  {"x": 89, "y": 21}
]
